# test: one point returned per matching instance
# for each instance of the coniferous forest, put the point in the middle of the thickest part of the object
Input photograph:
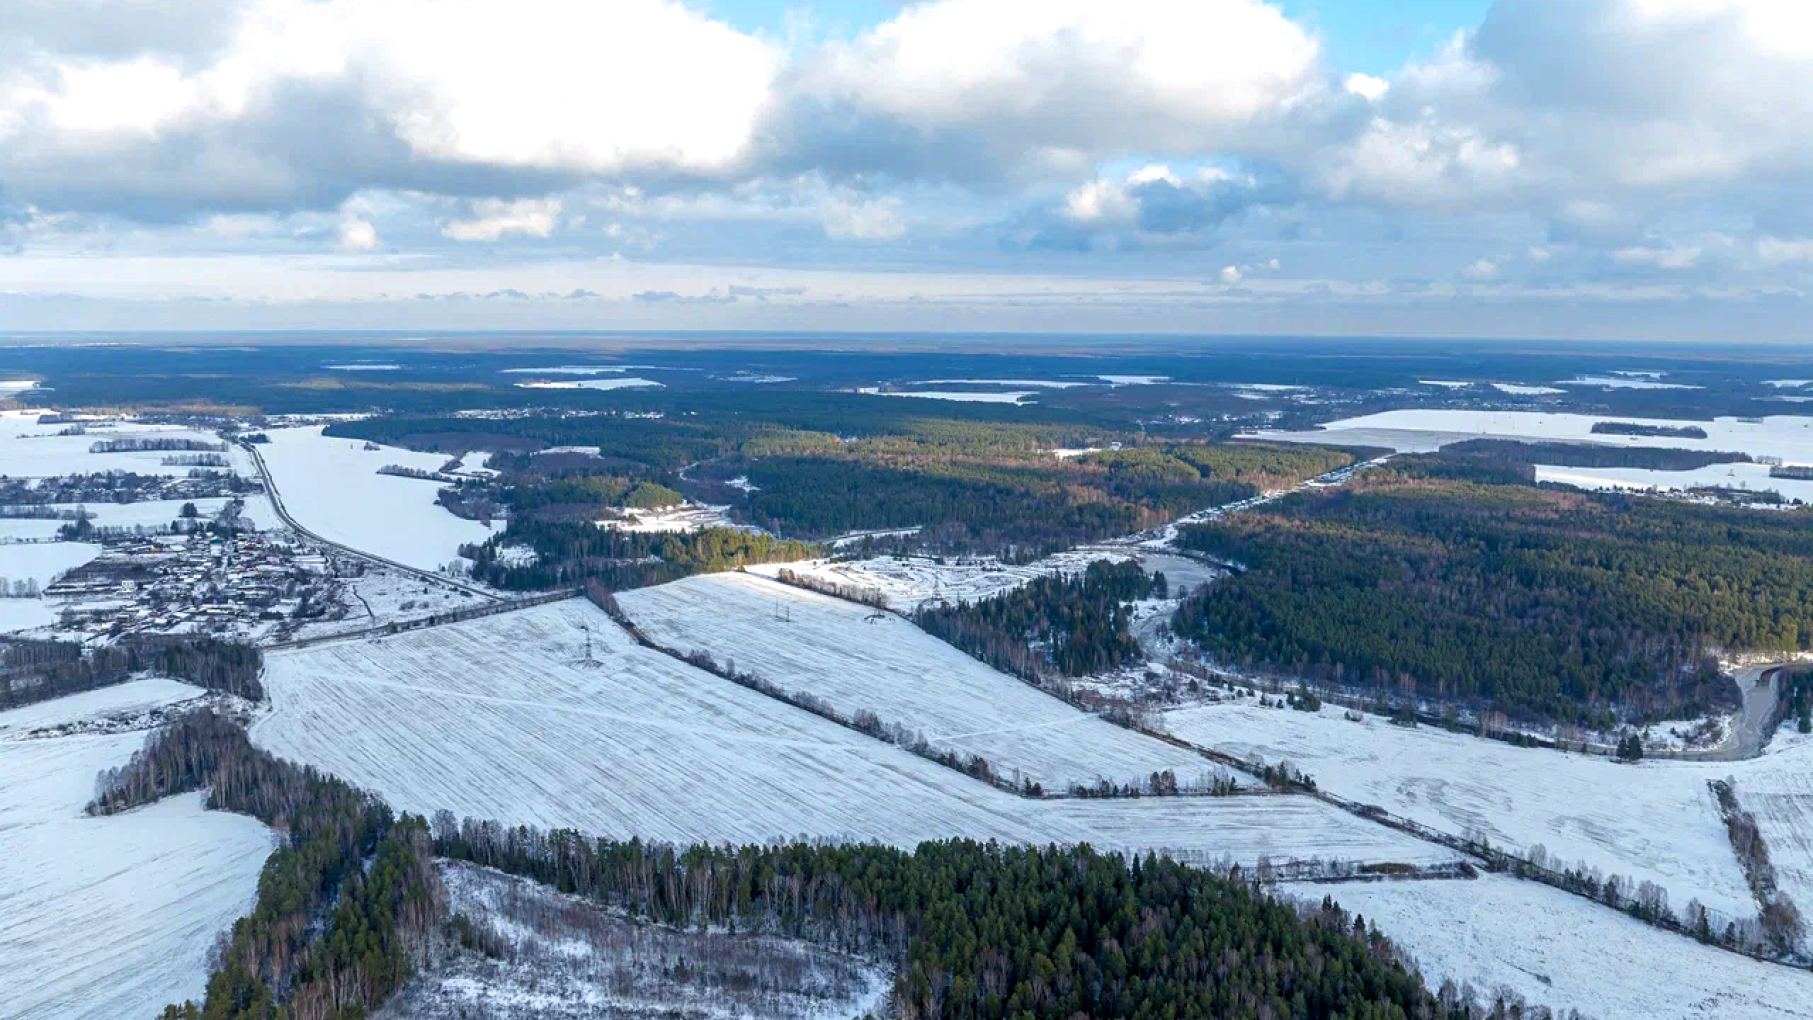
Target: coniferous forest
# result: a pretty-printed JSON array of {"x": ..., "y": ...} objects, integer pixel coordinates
[
  {"x": 1454, "y": 579},
  {"x": 1075, "y": 625}
]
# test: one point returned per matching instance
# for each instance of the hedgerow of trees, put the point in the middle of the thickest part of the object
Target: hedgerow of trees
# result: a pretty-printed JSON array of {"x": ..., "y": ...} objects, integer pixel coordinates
[{"x": 1445, "y": 579}]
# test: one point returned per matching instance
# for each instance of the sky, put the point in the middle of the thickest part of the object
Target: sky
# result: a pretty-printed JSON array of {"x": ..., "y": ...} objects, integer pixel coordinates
[{"x": 1627, "y": 169}]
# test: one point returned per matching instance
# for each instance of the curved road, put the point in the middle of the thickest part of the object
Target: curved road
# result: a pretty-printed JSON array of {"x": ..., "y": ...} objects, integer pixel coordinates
[{"x": 283, "y": 513}]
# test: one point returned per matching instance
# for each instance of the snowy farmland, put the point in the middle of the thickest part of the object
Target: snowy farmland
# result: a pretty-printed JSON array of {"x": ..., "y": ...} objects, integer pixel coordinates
[
  {"x": 501, "y": 718},
  {"x": 332, "y": 488},
  {"x": 1563, "y": 952},
  {"x": 108, "y": 917},
  {"x": 856, "y": 660},
  {"x": 1751, "y": 477},
  {"x": 31, "y": 450},
  {"x": 1789, "y": 437},
  {"x": 1655, "y": 821}
]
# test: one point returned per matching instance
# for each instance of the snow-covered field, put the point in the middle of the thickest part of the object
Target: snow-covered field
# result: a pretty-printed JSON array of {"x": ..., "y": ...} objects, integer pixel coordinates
[
  {"x": 500, "y": 718},
  {"x": 332, "y": 488},
  {"x": 108, "y": 917},
  {"x": 1004, "y": 397},
  {"x": 564, "y": 958},
  {"x": 1753, "y": 477},
  {"x": 1625, "y": 381},
  {"x": 1518, "y": 390},
  {"x": 43, "y": 563},
  {"x": 912, "y": 581},
  {"x": 1560, "y": 951},
  {"x": 1655, "y": 821},
  {"x": 1789, "y": 437},
  {"x": 856, "y": 659},
  {"x": 31, "y": 450},
  {"x": 623, "y": 383}
]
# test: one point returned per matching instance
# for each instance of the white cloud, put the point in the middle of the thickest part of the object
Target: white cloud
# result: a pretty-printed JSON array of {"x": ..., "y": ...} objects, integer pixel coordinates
[
  {"x": 1480, "y": 271},
  {"x": 358, "y": 235},
  {"x": 1056, "y": 82},
  {"x": 1659, "y": 258},
  {"x": 878, "y": 220},
  {"x": 1778, "y": 251},
  {"x": 1231, "y": 275},
  {"x": 1366, "y": 86},
  {"x": 494, "y": 219}
]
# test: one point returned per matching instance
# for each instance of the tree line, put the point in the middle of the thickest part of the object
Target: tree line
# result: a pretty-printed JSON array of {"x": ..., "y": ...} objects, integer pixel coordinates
[{"x": 33, "y": 671}]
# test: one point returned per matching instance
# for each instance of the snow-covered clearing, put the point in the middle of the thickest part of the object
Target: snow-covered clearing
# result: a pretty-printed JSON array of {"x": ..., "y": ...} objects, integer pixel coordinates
[
  {"x": 1012, "y": 397},
  {"x": 1751, "y": 477},
  {"x": 909, "y": 582},
  {"x": 1626, "y": 381},
  {"x": 500, "y": 718},
  {"x": 856, "y": 659},
  {"x": 1788, "y": 384},
  {"x": 363, "y": 366},
  {"x": 1656, "y": 820},
  {"x": 1778, "y": 789},
  {"x": 564, "y": 957},
  {"x": 14, "y": 387},
  {"x": 1789, "y": 437},
  {"x": 1134, "y": 380},
  {"x": 108, "y": 917},
  {"x": 1447, "y": 384},
  {"x": 1563, "y": 952},
  {"x": 1517, "y": 390},
  {"x": 686, "y": 518},
  {"x": 624, "y": 383},
  {"x": 332, "y": 487}
]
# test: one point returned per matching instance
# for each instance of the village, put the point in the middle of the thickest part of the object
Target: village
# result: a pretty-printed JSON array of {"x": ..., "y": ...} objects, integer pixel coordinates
[{"x": 244, "y": 584}]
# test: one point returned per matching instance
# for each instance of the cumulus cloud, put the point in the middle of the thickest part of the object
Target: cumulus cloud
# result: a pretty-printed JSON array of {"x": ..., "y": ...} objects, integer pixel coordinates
[
  {"x": 1032, "y": 86},
  {"x": 301, "y": 102},
  {"x": 494, "y": 219},
  {"x": 358, "y": 235},
  {"x": 1151, "y": 206},
  {"x": 877, "y": 220}
]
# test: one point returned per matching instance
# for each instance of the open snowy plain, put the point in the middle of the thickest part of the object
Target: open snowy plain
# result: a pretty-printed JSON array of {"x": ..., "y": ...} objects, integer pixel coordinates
[
  {"x": 108, "y": 917},
  {"x": 501, "y": 717},
  {"x": 1563, "y": 952},
  {"x": 856, "y": 659},
  {"x": 332, "y": 488},
  {"x": 1789, "y": 437},
  {"x": 1655, "y": 820}
]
